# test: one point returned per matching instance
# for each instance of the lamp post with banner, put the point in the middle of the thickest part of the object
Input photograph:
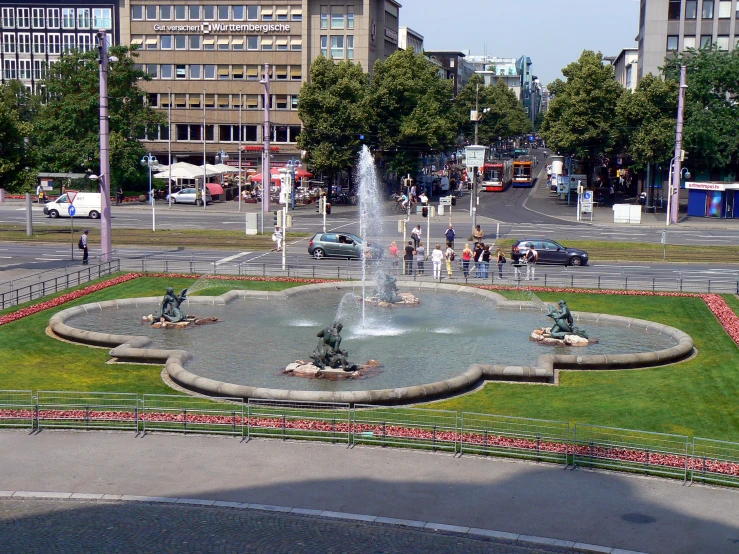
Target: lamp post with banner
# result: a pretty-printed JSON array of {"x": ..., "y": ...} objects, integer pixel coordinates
[
  {"x": 149, "y": 161},
  {"x": 475, "y": 158}
]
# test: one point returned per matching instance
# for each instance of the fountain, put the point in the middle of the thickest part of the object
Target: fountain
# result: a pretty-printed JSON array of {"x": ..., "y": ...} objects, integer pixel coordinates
[
  {"x": 370, "y": 209},
  {"x": 563, "y": 332},
  {"x": 171, "y": 315}
]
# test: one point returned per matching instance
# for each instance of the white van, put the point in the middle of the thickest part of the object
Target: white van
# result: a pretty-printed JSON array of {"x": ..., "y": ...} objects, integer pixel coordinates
[{"x": 86, "y": 204}]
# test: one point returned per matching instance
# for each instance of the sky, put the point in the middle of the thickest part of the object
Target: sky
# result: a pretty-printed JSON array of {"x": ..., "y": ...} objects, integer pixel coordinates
[{"x": 552, "y": 33}]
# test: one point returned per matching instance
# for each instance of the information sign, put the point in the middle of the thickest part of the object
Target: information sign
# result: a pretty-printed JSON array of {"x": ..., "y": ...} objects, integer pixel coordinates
[
  {"x": 71, "y": 210},
  {"x": 587, "y": 202},
  {"x": 475, "y": 156}
]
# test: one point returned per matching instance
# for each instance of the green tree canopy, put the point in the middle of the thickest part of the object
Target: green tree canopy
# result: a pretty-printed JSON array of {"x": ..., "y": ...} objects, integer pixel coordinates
[
  {"x": 332, "y": 108},
  {"x": 14, "y": 151},
  {"x": 581, "y": 116},
  {"x": 67, "y": 127},
  {"x": 409, "y": 109},
  {"x": 646, "y": 121},
  {"x": 504, "y": 117}
]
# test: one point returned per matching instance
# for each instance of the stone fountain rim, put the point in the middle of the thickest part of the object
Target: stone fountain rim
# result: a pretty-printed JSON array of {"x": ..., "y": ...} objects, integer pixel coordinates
[{"x": 133, "y": 348}]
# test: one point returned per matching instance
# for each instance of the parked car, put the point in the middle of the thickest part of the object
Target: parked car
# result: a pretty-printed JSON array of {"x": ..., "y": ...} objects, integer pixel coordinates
[
  {"x": 339, "y": 245},
  {"x": 190, "y": 196},
  {"x": 551, "y": 252}
]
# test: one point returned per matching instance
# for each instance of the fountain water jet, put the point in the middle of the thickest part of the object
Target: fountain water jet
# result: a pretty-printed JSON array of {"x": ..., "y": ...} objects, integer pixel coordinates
[{"x": 370, "y": 209}]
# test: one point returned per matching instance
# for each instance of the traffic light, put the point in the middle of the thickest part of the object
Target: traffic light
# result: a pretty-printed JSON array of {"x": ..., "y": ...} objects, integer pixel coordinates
[
  {"x": 278, "y": 218},
  {"x": 328, "y": 208},
  {"x": 275, "y": 217},
  {"x": 289, "y": 222},
  {"x": 425, "y": 212}
]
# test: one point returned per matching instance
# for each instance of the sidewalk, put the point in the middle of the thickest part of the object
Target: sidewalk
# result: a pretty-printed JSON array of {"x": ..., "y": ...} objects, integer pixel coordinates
[{"x": 616, "y": 510}]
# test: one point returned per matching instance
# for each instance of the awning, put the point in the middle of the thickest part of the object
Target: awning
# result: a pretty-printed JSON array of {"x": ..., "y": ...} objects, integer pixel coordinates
[
  {"x": 301, "y": 173},
  {"x": 256, "y": 148},
  {"x": 214, "y": 188},
  {"x": 258, "y": 178}
]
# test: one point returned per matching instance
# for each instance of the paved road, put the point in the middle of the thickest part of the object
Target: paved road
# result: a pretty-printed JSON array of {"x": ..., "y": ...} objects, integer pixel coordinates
[
  {"x": 615, "y": 510},
  {"x": 72, "y": 526}
]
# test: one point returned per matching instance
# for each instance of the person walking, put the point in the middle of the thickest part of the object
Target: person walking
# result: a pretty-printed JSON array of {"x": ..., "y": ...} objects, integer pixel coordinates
[
  {"x": 450, "y": 234},
  {"x": 420, "y": 258},
  {"x": 449, "y": 255},
  {"x": 394, "y": 254},
  {"x": 466, "y": 258},
  {"x": 500, "y": 259},
  {"x": 532, "y": 256},
  {"x": 486, "y": 262},
  {"x": 277, "y": 237},
  {"x": 437, "y": 256},
  {"x": 416, "y": 235},
  {"x": 85, "y": 249},
  {"x": 478, "y": 235},
  {"x": 408, "y": 258},
  {"x": 516, "y": 258},
  {"x": 477, "y": 256},
  {"x": 119, "y": 196}
]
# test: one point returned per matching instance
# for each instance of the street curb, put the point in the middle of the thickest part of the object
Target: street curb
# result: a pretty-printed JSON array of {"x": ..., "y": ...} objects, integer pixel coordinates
[{"x": 531, "y": 541}]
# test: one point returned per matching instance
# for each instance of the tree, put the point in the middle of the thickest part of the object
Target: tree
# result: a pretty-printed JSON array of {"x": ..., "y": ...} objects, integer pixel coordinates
[
  {"x": 711, "y": 110},
  {"x": 505, "y": 117},
  {"x": 581, "y": 115},
  {"x": 409, "y": 106},
  {"x": 332, "y": 108},
  {"x": 14, "y": 133},
  {"x": 646, "y": 120},
  {"x": 67, "y": 127}
]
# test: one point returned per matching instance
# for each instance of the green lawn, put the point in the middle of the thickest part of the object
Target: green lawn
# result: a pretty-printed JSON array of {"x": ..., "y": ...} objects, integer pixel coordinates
[{"x": 696, "y": 397}]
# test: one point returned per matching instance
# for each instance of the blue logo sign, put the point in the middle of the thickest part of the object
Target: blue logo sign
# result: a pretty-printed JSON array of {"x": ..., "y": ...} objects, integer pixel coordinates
[
  {"x": 71, "y": 210},
  {"x": 587, "y": 196}
]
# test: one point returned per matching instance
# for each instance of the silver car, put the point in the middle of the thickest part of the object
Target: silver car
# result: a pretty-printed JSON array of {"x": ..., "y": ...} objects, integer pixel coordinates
[{"x": 190, "y": 196}]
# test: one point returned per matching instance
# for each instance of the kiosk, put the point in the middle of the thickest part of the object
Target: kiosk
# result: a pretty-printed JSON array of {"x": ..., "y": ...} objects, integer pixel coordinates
[{"x": 713, "y": 199}]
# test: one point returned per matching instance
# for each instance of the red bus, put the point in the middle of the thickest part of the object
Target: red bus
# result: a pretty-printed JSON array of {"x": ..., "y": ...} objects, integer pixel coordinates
[
  {"x": 497, "y": 176},
  {"x": 523, "y": 172}
]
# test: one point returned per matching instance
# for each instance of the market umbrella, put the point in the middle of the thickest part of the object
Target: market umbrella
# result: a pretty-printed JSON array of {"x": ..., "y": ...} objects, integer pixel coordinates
[{"x": 214, "y": 188}]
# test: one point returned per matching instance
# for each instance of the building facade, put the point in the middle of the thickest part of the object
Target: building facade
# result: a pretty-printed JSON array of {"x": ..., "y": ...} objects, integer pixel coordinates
[
  {"x": 458, "y": 70},
  {"x": 408, "y": 38},
  {"x": 206, "y": 61},
  {"x": 670, "y": 26},
  {"x": 33, "y": 35},
  {"x": 626, "y": 66}
]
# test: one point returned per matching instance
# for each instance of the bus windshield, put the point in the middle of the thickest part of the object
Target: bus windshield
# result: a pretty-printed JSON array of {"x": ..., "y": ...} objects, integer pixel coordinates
[
  {"x": 522, "y": 171},
  {"x": 492, "y": 174}
]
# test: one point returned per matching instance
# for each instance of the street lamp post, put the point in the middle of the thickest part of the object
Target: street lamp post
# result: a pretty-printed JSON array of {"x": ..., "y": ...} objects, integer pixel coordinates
[
  {"x": 671, "y": 187},
  {"x": 675, "y": 196},
  {"x": 241, "y": 132},
  {"x": 150, "y": 161},
  {"x": 106, "y": 247},
  {"x": 266, "y": 173}
]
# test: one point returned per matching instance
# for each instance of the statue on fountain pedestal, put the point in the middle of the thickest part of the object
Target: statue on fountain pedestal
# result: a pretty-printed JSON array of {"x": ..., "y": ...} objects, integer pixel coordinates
[
  {"x": 170, "y": 309},
  {"x": 564, "y": 324},
  {"x": 386, "y": 289},
  {"x": 328, "y": 353}
]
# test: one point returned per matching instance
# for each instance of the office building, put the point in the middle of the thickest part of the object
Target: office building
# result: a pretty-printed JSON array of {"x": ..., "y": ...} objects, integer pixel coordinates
[
  {"x": 456, "y": 67},
  {"x": 625, "y": 66},
  {"x": 407, "y": 37}
]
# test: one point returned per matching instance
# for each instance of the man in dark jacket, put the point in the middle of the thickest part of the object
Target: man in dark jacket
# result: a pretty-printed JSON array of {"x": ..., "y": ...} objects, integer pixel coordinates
[{"x": 450, "y": 234}]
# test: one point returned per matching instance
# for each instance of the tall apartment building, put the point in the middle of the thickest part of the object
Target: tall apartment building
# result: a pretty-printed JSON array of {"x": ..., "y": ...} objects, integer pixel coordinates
[
  {"x": 206, "y": 59},
  {"x": 33, "y": 35},
  {"x": 669, "y": 26}
]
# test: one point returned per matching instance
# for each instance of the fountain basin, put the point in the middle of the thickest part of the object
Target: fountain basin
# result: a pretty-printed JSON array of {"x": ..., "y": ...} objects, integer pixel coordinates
[{"x": 463, "y": 359}]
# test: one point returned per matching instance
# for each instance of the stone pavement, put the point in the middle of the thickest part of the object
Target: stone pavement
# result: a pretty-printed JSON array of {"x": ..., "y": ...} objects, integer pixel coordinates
[
  {"x": 99, "y": 526},
  {"x": 614, "y": 510}
]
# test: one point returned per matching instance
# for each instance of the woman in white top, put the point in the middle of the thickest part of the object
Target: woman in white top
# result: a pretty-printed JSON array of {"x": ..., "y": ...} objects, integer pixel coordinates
[{"x": 437, "y": 256}]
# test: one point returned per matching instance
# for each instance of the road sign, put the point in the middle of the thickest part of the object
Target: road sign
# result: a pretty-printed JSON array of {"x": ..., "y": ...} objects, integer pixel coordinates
[
  {"x": 663, "y": 240},
  {"x": 475, "y": 156},
  {"x": 587, "y": 201},
  {"x": 445, "y": 201},
  {"x": 71, "y": 210}
]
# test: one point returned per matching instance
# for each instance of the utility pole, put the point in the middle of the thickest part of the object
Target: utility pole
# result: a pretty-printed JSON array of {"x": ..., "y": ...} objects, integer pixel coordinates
[
  {"x": 677, "y": 173},
  {"x": 169, "y": 142},
  {"x": 105, "y": 227},
  {"x": 205, "y": 169},
  {"x": 473, "y": 196},
  {"x": 266, "y": 173}
]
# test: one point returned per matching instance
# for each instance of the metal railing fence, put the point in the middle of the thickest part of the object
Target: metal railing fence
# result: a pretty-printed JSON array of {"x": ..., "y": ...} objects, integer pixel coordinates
[
  {"x": 87, "y": 410},
  {"x": 192, "y": 414},
  {"x": 405, "y": 427},
  {"x": 36, "y": 290},
  {"x": 634, "y": 451},
  {"x": 17, "y": 409},
  {"x": 324, "y": 421},
  {"x": 534, "y": 439},
  {"x": 715, "y": 462}
]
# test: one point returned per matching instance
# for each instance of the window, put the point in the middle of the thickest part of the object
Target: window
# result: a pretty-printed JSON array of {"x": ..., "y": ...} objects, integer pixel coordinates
[
  {"x": 166, "y": 71},
  {"x": 337, "y": 47},
  {"x": 39, "y": 43},
  {"x": 68, "y": 18},
  {"x": 137, "y": 13},
  {"x": 102, "y": 18},
  {"x": 250, "y": 133},
  {"x": 224, "y": 101},
  {"x": 180, "y": 71},
  {"x": 297, "y": 15},
  {"x": 238, "y": 13},
  {"x": 9, "y": 69},
  {"x": 24, "y": 69},
  {"x": 350, "y": 47},
  {"x": 180, "y": 42},
  {"x": 210, "y": 101},
  {"x": 722, "y": 42},
  {"x": 252, "y": 43},
  {"x": 52, "y": 18},
  {"x": 194, "y": 101},
  {"x": 9, "y": 43},
  {"x": 165, "y": 13},
  {"x": 8, "y": 18},
  {"x": 688, "y": 42},
  {"x": 324, "y": 46},
  {"x": 196, "y": 132},
  {"x": 210, "y": 132},
  {"x": 267, "y": 15},
  {"x": 195, "y": 71},
  {"x": 209, "y": 71},
  {"x": 294, "y": 132},
  {"x": 350, "y": 17},
  {"x": 707, "y": 12},
  {"x": 324, "y": 17},
  {"x": 151, "y": 13},
  {"x": 83, "y": 18},
  {"x": 209, "y": 44},
  {"x": 194, "y": 42},
  {"x": 23, "y": 18},
  {"x": 69, "y": 43},
  {"x": 224, "y": 72},
  {"x": 281, "y": 101},
  {"x": 337, "y": 17},
  {"x": 180, "y": 13},
  {"x": 294, "y": 102},
  {"x": 194, "y": 13},
  {"x": 151, "y": 43},
  {"x": 54, "y": 45},
  {"x": 84, "y": 43},
  {"x": 672, "y": 41},
  {"x": 279, "y": 133},
  {"x": 706, "y": 41},
  {"x": 237, "y": 72},
  {"x": 165, "y": 42},
  {"x": 267, "y": 44},
  {"x": 223, "y": 43},
  {"x": 38, "y": 21},
  {"x": 224, "y": 133},
  {"x": 181, "y": 132},
  {"x": 673, "y": 10},
  {"x": 296, "y": 73},
  {"x": 282, "y": 15},
  {"x": 238, "y": 43},
  {"x": 252, "y": 72},
  {"x": 39, "y": 69},
  {"x": 223, "y": 13},
  {"x": 724, "y": 9},
  {"x": 281, "y": 45},
  {"x": 24, "y": 43},
  {"x": 252, "y": 101},
  {"x": 252, "y": 13},
  {"x": 691, "y": 9},
  {"x": 296, "y": 45},
  {"x": 281, "y": 73},
  {"x": 152, "y": 70}
]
